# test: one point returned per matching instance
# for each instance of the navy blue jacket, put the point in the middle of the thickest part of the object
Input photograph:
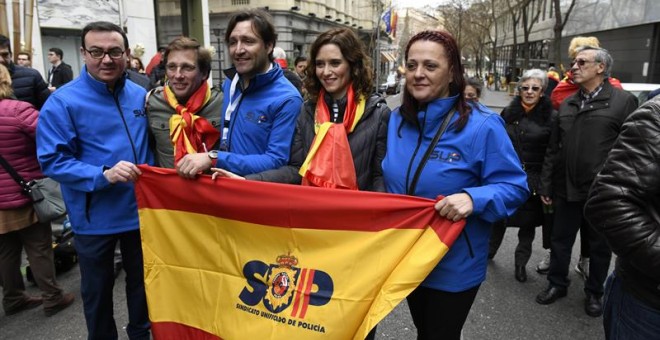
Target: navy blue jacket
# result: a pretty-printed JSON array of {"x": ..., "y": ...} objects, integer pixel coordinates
[{"x": 29, "y": 86}]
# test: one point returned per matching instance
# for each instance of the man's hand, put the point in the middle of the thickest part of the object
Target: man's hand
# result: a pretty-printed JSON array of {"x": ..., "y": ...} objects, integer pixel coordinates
[
  {"x": 123, "y": 171},
  {"x": 192, "y": 165},
  {"x": 546, "y": 200},
  {"x": 455, "y": 207},
  {"x": 217, "y": 172}
]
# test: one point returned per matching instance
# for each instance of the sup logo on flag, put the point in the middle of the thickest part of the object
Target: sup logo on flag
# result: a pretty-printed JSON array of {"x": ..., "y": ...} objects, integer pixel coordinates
[{"x": 285, "y": 286}]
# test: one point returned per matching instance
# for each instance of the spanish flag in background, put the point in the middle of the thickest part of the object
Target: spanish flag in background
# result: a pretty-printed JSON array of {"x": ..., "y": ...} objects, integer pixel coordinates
[{"x": 234, "y": 259}]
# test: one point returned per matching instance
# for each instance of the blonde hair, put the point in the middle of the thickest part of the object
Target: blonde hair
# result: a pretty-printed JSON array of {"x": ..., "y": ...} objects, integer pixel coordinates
[
  {"x": 5, "y": 83},
  {"x": 579, "y": 42}
]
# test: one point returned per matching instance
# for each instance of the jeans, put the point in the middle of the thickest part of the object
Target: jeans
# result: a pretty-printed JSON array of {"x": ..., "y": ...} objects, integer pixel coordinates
[
  {"x": 96, "y": 258},
  {"x": 625, "y": 317}
]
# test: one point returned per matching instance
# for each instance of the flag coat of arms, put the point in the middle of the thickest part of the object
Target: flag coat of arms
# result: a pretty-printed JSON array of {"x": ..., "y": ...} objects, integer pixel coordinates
[{"x": 235, "y": 259}]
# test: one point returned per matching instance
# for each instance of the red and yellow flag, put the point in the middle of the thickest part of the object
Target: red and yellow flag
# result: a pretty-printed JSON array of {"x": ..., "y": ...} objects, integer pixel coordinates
[{"x": 234, "y": 259}]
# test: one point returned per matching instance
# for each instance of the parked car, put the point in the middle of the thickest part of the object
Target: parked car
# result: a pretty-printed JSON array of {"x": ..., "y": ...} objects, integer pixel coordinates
[
  {"x": 640, "y": 90},
  {"x": 391, "y": 86}
]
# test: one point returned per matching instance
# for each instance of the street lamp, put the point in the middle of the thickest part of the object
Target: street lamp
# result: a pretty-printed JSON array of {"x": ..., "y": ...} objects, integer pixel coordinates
[{"x": 218, "y": 35}]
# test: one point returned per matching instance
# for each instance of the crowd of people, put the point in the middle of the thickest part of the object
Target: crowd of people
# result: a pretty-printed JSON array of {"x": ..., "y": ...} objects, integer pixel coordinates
[{"x": 544, "y": 161}]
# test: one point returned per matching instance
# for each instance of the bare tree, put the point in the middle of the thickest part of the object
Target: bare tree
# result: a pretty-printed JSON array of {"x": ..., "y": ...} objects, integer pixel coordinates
[
  {"x": 530, "y": 16},
  {"x": 515, "y": 13},
  {"x": 560, "y": 22}
]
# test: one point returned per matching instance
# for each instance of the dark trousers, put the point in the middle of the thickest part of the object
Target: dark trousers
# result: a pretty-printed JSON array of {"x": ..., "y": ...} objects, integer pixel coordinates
[
  {"x": 96, "y": 258},
  {"x": 524, "y": 247},
  {"x": 584, "y": 242},
  {"x": 438, "y": 314},
  {"x": 37, "y": 240},
  {"x": 568, "y": 220}
]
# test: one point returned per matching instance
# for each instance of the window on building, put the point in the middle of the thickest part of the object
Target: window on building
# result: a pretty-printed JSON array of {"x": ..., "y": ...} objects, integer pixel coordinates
[{"x": 240, "y": 2}]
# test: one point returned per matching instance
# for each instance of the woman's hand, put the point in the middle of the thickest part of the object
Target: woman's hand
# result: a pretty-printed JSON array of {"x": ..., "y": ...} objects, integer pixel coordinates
[
  {"x": 455, "y": 207},
  {"x": 217, "y": 172}
]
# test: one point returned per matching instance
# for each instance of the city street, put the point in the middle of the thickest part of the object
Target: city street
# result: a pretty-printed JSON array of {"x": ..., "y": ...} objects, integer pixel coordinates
[{"x": 504, "y": 308}]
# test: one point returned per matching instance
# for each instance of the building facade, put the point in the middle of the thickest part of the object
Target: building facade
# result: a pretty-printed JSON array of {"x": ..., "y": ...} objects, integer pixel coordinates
[{"x": 629, "y": 30}]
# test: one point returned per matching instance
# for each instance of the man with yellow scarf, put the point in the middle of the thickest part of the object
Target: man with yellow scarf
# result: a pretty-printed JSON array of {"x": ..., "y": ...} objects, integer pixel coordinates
[{"x": 185, "y": 113}]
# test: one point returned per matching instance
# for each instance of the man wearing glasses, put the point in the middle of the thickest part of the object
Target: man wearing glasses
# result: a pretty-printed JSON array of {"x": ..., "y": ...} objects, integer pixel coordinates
[
  {"x": 27, "y": 83},
  {"x": 186, "y": 97},
  {"x": 90, "y": 136},
  {"x": 589, "y": 123}
]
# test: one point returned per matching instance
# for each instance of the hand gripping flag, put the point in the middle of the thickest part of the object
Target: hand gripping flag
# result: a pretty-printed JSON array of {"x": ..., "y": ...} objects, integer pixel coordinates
[{"x": 235, "y": 259}]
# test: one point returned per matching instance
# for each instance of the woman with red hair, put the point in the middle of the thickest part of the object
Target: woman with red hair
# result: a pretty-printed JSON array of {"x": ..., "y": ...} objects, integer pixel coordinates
[{"x": 440, "y": 146}]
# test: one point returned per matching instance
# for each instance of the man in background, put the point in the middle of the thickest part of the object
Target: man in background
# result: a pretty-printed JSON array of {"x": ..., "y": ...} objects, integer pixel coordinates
[
  {"x": 24, "y": 59},
  {"x": 60, "y": 73},
  {"x": 27, "y": 83}
]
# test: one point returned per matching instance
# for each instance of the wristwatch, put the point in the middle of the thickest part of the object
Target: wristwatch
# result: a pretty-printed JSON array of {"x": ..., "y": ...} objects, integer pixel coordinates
[{"x": 213, "y": 154}]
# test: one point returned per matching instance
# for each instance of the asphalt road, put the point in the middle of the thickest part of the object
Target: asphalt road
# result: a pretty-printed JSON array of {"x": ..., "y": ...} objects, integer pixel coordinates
[{"x": 504, "y": 308}]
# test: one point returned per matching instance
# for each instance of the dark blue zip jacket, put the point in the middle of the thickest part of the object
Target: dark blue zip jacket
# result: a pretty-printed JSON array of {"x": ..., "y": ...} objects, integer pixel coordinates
[
  {"x": 478, "y": 160},
  {"x": 84, "y": 128}
]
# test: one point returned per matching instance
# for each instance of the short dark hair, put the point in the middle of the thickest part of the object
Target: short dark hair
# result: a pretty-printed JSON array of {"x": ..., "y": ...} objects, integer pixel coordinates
[
  {"x": 28, "y": 54},
  {"x": 262, "y": 24},
  {"x": 104, "y": 26},
  {"x": 185, "y": 43},
  {"x": 5, "y": 42},
  {"x": 57, "y": 51},
  {"x": 299, "y": 59}
]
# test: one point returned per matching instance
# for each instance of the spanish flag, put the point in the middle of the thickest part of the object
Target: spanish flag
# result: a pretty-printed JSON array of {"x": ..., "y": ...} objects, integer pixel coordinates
[{"x": 235, "y": 259}]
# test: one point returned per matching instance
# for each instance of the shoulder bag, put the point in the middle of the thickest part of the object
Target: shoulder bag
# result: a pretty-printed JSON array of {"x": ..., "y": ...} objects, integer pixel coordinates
[{"x": 45, "y": 194}]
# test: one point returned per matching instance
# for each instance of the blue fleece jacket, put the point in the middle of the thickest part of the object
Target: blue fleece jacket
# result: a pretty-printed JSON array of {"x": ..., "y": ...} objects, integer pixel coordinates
[
  {"x": 262, "y": 125},
  {"x": 479, "y": 161},
  {"x": 85, "y": 128}
]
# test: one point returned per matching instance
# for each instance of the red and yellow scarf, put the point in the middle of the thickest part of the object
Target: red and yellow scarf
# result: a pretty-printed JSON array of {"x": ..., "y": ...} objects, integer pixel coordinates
[
  {"x": 329, "y": 163},
  {"x": 189, "y": 132}
]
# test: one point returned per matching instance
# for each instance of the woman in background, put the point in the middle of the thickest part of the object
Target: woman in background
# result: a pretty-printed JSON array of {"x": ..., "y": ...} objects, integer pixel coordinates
[
  {"x": 19, "y": 227},
  {"x": 529, "y": 118}
]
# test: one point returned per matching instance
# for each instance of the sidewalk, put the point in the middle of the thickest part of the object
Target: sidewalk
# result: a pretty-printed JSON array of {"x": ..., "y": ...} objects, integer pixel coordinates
[{"x": 495, "y": 100}]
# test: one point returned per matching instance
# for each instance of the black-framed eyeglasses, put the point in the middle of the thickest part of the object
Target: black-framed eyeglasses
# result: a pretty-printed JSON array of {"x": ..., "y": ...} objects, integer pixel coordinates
[
  {"x": 5, "y": 54},
  {"x": 581, "y": 62},
  {"x": 115, "y": 53},
  {"x": 527, "y": 88}
]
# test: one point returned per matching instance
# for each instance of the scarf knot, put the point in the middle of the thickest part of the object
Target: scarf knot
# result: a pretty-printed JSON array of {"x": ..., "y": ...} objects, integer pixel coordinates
[
  {"x": 189, "y": 132},
  {"x": 329, "y": 163}
]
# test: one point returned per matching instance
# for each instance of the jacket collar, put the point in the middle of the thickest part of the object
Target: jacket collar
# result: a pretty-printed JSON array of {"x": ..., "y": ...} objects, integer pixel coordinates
[
  {"x": 431, "y": 117},
  {"x": 260, "y": 80}
]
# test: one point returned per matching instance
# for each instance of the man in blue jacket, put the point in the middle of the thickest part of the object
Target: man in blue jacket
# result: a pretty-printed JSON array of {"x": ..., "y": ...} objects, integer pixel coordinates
[
  {"x": 260, "y": 105},
  {"x": 90, "y": 136}
]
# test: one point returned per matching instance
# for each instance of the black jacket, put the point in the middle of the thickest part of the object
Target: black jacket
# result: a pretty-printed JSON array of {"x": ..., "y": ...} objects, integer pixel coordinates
[
  {"x": 367, "y": 143},
  {"x": 61, "y": 75},
  {"x": 28, "y": 85},
  {"x": 530, "y": 135},
  {"x": 624, "y": 203},
  {"x": 580, "y": 141}
]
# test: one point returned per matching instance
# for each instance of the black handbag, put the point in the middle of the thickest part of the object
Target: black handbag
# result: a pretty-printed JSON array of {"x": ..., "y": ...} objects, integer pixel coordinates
[{"x": 45, "y": 194}]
